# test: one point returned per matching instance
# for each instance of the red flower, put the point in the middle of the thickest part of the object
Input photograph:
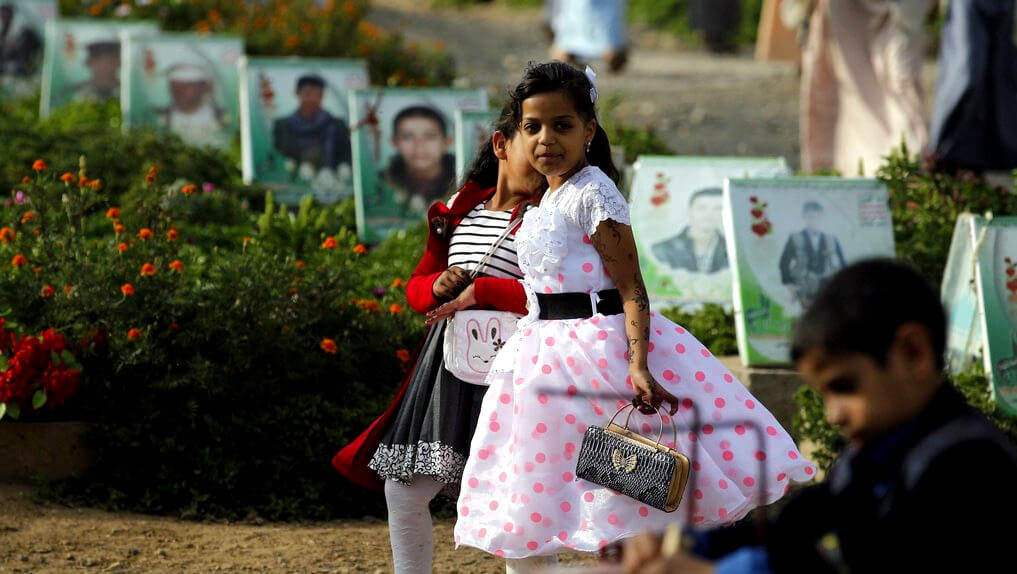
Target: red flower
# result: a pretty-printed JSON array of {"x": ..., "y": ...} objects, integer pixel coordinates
[
  {"x": 39, "y": 165},
  {"x": 299, "y": 264},
  {"x": 118, "y": 229},
  {"x": 173, "y": 234},
  {"x": 404, "y": 355},
  {"x": 68, "y": 288},
  {"x": 329, "y": 243},
  {"x": 6, "y": 235},
  {"x": 329, "y": 346},
  {"x": 395, "y": 308},
  {"x": 134, "y": 334},
  {"x": 67, "y": 177},
  {"x": 368, "y": 304},
  {"x": 360, "y": 249},
  {"x": 147, "y": 270},
  {"x": 121, "y": 247},
  {"x": 47, "y": 291},
  {"x": 127, "y": 289},
  {"x": 28, "y": 216},
  {"x": 112, "y": 213},
  {"x": 188, "y": 189},
  {"x": 145, "y": 233},
  {"x": 397, "y": 283},
  {"x": 19, "y": 260},
  {"x": 177, "y": 266}
]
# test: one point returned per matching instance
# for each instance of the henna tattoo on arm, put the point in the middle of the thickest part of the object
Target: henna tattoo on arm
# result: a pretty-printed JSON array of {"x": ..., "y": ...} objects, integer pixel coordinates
[{"x": 639, "y": 294}]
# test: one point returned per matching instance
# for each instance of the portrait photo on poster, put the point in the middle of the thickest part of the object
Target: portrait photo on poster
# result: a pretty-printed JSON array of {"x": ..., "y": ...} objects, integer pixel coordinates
[
  {"x": 22, "y": 42},
  {"x": 404, "y": 153},
  {"x": 83, "y": 59},
  {"x": 677, "y": 209},
  {"x": 295, "y": 131},
  {"x": 185, "y": 84}
]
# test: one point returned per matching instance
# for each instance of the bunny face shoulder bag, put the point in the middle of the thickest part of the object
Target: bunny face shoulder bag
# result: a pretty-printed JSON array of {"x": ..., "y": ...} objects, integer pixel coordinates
[{"x": 473, "y": 338}]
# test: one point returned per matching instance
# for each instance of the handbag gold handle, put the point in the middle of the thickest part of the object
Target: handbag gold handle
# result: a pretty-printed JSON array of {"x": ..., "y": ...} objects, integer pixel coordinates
[{"x": 674, "y": 429}]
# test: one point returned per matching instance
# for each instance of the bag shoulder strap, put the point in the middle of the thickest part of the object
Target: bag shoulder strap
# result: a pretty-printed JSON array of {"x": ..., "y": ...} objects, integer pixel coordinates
[{"x": 512, "y": 224}]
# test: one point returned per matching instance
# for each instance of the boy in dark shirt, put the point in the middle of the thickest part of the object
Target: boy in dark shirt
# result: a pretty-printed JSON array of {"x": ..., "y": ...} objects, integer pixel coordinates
[{"x": 926, "y": 483}]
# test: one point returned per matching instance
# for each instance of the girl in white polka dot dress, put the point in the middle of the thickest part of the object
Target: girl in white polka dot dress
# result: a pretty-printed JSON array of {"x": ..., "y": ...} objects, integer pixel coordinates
[{"x": 568, "y": 367}]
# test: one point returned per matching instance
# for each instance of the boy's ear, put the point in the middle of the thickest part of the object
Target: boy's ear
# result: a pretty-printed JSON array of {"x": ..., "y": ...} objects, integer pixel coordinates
[
  {"x": 499, "y": 143},
  {"x": 914, "y": 344}
]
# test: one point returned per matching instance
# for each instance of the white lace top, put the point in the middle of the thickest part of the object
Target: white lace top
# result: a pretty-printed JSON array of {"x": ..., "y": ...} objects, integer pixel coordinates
[{"x": 553, "y": 244}]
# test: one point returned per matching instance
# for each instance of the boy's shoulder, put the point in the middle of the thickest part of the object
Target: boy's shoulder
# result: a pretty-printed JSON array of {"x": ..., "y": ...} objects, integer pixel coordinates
[{"x": 968, "y": 445}]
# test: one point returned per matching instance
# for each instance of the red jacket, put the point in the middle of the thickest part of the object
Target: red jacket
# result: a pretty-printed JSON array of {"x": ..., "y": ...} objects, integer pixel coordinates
[{"x": 491, "y": 293}]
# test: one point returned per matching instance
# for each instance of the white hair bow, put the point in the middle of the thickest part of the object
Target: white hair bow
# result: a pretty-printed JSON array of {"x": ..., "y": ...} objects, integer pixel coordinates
[{"x": 592, "y": 77}]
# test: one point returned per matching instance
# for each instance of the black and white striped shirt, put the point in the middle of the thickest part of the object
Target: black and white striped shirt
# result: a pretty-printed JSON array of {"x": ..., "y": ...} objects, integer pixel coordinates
[{"x": 474, "y": 236}]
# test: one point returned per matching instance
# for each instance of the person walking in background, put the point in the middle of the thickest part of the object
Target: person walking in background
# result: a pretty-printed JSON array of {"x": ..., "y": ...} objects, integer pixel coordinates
[
  {"x": 861, "y": 93},
  {"x": 586, "y": 30},
  {"x": 974, "y": 126}
]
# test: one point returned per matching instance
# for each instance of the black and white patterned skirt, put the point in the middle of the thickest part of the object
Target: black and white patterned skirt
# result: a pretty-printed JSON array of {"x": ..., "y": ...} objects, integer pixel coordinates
[{"x": 431, "y": 432}]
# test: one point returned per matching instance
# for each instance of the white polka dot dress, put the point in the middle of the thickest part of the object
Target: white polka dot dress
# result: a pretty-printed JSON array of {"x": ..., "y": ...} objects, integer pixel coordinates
[{"x": 553, "y": 379}]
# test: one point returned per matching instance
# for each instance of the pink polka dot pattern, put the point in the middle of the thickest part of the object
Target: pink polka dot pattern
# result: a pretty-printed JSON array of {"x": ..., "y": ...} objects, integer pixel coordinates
[{"x": 520, "y": 495}]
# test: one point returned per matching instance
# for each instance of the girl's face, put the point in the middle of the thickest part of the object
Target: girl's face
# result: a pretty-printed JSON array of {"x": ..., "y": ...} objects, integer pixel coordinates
[
  {"x": 555, "y": 134},
  {"x": 521, "y": 177}
]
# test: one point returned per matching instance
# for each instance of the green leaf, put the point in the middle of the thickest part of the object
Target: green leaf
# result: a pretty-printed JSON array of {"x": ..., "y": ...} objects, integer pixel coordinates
[
  {"x": 3, "y": 410},
  {"x": 38, "y": 399},
  {"x": 3, "y": 363},
  {"x": 14, "y": 411},
  {"x": 54, "y": 357},
  {"x": 68, "y": 358}
]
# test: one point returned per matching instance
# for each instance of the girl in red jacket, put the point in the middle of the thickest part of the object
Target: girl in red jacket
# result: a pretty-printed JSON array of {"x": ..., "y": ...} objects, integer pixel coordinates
[{"x": 419, "y": 446}]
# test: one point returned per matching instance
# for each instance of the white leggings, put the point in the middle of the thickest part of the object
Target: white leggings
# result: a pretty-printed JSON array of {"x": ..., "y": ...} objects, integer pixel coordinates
[
  {"x": 409, "y": 523},
  {"x": 412, "y": 535}
]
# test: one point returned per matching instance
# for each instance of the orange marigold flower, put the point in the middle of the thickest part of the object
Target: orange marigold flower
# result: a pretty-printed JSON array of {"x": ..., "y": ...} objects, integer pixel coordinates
[
  {"x": 119, "y": 229},
  {"x": 121, "y": 247},
  {"x": 145, "y": 233},
  {"x": 28, "y": 216},
  {"x": 47, "y": 291},
  {"x": 397, "y": 283},
  {"x": 26, "y": 180},
  {"x": 299, "y": 264},
  {"x": 329, "y": 346},
  {"x": 37, "y": 231},
  {"x": 112, "y": 213},
  {"x": 329, "y": 243},
  {"x": 395, "y": 308},
  {"x": 247, "y": 240},
  {"x": 6, "y": 235},
  {"x": 368, "y": 304},
  {"x": 188, "y": 189},
  {"x": 176, "y": 265},
  {"x": 95, "y": 9},
  {"x": 95, "y": 184},
  {"x": 19, "y": 260},
  {"x": 127, "y": 289},
  {"x": 360, "y": 249},
  {"x": 150, "y": 178},
  {"x": 39, "y": 165},
  {"x": 82, "y": 181},
  {"x": 292, "y": 41},
  {"x": 37, "y": 270},
  {"x": 202, "y": 27},
  {"x": 403, "y": 355},
  {"x": 147, "y": 270},
  {"x": 67, "y": 177},
  {"x": 173, "y": 234},
  {"x": 68, "y": 288},
  {"x": 134, "y": 334}
]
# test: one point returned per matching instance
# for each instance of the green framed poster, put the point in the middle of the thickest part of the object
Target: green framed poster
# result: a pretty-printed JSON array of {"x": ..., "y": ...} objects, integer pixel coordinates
[
  {"x": 295, "y": 125},
  {"x": 786, "y": 236},
  {"x": 22, "y": 42},
  {"x": 996, "y": 280},
  {"x": 473, "y": 131},
  {"x": 677, "y": 205},
  {"x": 82, "y": 60},
  {"x": 403, "y": 153},
  {"x": 184, "y": 84}
]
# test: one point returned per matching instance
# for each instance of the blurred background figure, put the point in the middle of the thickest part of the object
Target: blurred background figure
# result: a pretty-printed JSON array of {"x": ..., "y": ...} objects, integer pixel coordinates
[
  {"x": 20, "y": 45},
  {"x": 717, "y": 21},
  {"x": 974, "y": 126},
  {"x": 585, "y": 30},
  {"x": 193, "y": 113},
  {"x": 103, "y": 62},
  {"x": 861, "y": 91}
]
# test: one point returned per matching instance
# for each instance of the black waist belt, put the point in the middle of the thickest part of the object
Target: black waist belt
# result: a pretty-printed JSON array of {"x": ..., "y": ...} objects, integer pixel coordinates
[{"x": 557, "y": 306}]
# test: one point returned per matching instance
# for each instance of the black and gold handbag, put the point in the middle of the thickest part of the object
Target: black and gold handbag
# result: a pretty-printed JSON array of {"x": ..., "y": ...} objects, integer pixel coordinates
[{"x": 631, "y": 464}]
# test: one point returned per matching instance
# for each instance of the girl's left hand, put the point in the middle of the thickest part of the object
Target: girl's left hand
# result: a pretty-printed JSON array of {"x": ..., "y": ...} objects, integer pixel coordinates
[
  {"x": 649, "y": 394},
  {"x": 465, "y": 300}
]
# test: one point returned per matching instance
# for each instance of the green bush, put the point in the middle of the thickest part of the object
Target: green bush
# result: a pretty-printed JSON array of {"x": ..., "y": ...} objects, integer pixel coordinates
[
  {"x": 712, "y": 325},
  {"x": 332, "y": 29},
  {"x": 211, "y": 388}
]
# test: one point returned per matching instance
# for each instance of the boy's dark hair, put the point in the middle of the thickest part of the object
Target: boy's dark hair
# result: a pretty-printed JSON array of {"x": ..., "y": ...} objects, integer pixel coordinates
[
  {"x": 558, "y": 76},
  {"x": 420, "y": 112},
  {"x": 705, "y": 192},
  {"x": 313, "y": 80},
  {"x": 484, "y": 171},
  {"x": 812, "y": 206},
  {"x": 861, "y": 307}
]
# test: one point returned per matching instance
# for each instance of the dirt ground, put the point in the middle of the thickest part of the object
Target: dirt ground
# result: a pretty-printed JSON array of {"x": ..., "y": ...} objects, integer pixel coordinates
[{"x": 50, "y": 539}]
